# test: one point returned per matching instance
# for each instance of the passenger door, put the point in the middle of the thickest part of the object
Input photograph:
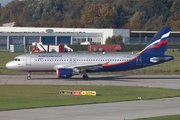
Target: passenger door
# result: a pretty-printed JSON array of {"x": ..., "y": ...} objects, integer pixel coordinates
[{"x": 28, "y": 60}]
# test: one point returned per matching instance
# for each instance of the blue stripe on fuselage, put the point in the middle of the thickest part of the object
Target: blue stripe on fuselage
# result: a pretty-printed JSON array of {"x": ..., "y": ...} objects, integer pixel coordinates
[{"x": 130, "y": 65}]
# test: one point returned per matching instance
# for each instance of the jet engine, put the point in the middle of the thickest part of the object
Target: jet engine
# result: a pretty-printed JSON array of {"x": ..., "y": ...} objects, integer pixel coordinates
[{"x": 64, "y": 72}]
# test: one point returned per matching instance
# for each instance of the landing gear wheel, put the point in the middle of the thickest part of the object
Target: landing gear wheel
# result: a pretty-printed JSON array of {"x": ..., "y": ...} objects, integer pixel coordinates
[
  {"x": 28, "y": 77},
  {"x": 85, "y": 77}
]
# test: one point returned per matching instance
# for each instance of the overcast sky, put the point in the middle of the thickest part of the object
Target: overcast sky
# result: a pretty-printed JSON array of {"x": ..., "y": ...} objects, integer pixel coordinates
[{"x": 4, "y": 2}]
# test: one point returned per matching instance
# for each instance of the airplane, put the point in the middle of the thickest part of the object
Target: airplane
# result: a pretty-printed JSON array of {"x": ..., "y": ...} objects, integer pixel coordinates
[{"x": 68, "y": 64}]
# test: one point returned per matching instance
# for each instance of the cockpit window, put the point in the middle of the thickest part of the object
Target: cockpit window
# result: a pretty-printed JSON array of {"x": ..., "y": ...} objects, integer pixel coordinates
[{"x": 16, "y": 59}]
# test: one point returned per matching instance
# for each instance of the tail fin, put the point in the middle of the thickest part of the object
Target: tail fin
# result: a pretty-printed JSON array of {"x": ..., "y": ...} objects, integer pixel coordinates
[{"x": 158, "y": 43}]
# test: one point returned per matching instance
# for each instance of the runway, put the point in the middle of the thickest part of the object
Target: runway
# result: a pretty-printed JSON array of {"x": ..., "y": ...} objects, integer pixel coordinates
[
  {"x": 106, "y": 111},
  {"x": 161, "y": 81}
]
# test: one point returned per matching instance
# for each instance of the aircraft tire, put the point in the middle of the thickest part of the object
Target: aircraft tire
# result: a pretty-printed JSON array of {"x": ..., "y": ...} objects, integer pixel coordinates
[
  {"x": 85, "y": 77},
  {"x": 28, "y": 77}
]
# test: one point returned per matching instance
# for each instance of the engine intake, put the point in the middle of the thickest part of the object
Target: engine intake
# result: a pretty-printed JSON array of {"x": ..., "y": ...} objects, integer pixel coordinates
[{"x": 64, "y": 72}]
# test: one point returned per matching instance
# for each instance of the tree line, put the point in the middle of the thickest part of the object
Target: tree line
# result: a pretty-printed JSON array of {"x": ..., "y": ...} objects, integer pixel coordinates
[{"x": 131, "y": 14}]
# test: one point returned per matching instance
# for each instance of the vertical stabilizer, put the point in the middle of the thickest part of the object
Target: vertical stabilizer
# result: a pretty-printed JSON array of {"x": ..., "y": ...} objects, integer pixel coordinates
[{"x": 158, "y": 43}]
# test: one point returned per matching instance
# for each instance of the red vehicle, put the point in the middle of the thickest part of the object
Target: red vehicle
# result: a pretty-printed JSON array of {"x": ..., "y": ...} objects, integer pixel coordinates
[{"x": 104, "y": 48}]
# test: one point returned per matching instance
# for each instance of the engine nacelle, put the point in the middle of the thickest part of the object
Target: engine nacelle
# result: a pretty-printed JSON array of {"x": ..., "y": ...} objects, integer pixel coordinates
[{"x": 64, "y": 72}]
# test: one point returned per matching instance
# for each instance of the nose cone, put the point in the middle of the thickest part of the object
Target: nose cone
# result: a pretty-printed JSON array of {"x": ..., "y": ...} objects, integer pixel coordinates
[{"x": 9, "y": 65}]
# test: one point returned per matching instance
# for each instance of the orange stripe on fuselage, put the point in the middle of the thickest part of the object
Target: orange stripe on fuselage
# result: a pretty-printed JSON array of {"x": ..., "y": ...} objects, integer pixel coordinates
[{"x": 114, "y": 64}]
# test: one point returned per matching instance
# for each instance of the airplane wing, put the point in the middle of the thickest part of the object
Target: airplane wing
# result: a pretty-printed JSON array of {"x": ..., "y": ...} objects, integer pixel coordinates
[
  {"x": 87, "y": 66},
  {"x": 84, "y": 67},
  {"x": 81, "y": 67}
]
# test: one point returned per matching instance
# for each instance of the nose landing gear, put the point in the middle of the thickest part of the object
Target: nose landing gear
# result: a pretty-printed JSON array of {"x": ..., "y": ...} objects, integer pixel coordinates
[{"x": 29, "y": 76}]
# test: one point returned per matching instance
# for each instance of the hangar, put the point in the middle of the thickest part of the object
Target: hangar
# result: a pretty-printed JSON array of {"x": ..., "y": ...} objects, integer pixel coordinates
[{"x": 26, "y": 35}]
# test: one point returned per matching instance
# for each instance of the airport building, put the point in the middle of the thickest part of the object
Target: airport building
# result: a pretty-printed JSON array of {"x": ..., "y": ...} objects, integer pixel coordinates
[
  {"x": 55, "y": 36},
  {"x": 143, "y": 37},
  {"x": 10, "y": 35}
]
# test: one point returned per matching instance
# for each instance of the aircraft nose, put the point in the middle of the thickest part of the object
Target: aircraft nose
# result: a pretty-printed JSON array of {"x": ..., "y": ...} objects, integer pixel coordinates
[{"x": 9, "y": 65}]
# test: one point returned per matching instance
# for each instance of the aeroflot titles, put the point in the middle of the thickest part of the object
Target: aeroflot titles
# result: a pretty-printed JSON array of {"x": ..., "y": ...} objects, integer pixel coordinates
[{"x": 49, "y": 55}]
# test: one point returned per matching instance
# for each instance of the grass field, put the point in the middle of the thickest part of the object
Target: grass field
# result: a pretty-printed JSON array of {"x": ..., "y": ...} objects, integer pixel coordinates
[
  {"x": 171, "y": 117},
  {"x": 171, "y": 67},
  {"x": 35, "y": 96}
]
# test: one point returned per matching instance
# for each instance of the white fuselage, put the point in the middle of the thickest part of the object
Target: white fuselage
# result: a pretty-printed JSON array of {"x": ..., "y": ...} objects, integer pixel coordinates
[{"x": 52, "y": 61}]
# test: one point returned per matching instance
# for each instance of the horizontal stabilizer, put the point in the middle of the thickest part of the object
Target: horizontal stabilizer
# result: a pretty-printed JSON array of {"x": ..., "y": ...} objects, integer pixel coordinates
[{"x": 157, "y": 59}]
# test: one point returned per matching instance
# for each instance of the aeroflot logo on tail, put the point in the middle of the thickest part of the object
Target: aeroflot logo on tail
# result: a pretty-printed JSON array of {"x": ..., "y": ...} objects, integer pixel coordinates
[
  {"x": 49, "y": 55},
  {"x": 158, "y": 43}
]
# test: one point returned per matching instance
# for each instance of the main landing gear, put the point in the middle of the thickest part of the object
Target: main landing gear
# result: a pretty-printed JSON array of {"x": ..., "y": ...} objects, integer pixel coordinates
[
  {"x": 29, "y": 76},
  {"x": 85, "y": 77}
]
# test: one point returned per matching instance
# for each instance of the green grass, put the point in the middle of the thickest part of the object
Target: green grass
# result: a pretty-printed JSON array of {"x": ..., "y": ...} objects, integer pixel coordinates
[
  {"x": 171, "y": 117},
  {"x": 35, "y": 96},
  {"x": 171, "y": 67}
]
